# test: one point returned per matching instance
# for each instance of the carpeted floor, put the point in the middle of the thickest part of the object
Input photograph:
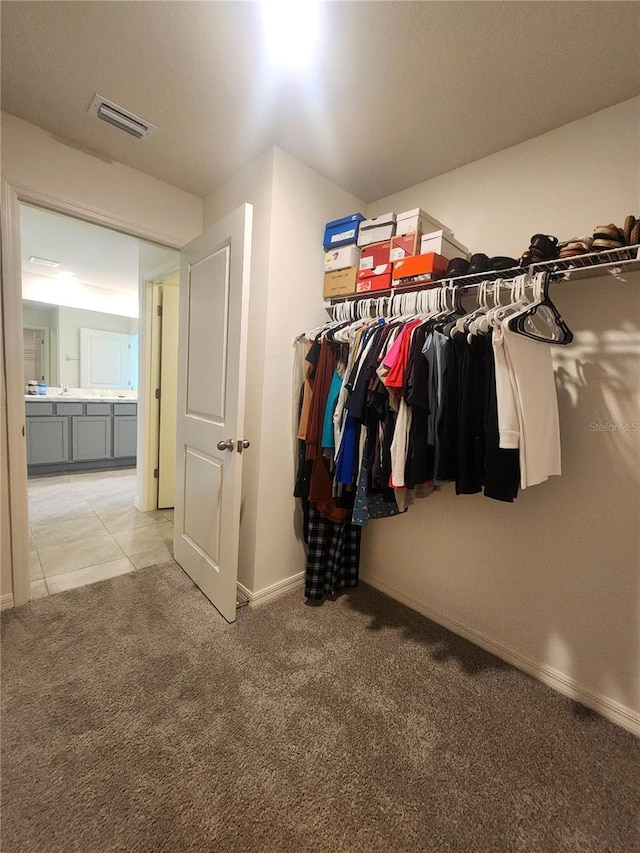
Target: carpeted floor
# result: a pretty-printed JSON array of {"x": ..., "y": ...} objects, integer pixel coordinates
[{"x": 135, "y": 719}]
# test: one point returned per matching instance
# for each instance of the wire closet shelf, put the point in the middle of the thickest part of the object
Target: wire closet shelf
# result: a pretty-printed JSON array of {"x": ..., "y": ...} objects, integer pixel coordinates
[{"x": 613, "y": 261}]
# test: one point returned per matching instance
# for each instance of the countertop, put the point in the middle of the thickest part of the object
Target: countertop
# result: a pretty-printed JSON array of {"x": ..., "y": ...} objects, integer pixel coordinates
[{"x": 63, "y": 398}]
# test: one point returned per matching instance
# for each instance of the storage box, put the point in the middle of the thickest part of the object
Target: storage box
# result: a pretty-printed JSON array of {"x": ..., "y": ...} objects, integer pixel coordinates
[
  {"x": 375, "y": 255},
  {"x": 382, "y": 269},
  {"x": 376, "y": 230},
  {"x": 442, "y": 243},
  {"x": 342, "y": 258},
  {"x": 426, "y": 267},
  {"x": 416, "y": 220},
  {"x": 404, "y": 246},
  {"x": 341, "y": 232},
  {"x": 376, "y": 282},
  {"x": 340, "y": 282}
]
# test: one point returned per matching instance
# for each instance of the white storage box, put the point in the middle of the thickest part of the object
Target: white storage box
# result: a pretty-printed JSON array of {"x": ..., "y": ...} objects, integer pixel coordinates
[
  {"x": 417, "y": 220},
  {"x": 377, "y": 230},
  {"x": 342, "y": 258},
  {"x": 442, "y": 243}
]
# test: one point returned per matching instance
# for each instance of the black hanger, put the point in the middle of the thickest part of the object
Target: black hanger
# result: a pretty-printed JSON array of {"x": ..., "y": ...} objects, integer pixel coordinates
[{"x": 540, "y": 317}]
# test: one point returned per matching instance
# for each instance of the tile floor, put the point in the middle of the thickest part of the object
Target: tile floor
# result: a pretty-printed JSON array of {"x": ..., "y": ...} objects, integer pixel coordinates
[{"x": 85, "y": 528}]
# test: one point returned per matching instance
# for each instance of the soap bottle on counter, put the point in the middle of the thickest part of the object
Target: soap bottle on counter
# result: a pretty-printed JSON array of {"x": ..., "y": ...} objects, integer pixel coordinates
[{"x": 42, "y": 389}]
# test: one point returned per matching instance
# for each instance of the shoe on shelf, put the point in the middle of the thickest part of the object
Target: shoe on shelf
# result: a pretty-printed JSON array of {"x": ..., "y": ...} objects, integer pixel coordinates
[
  {"x": 478, "y": 263},
  {"x": 607, "y": 237},
  {"x": 575, "y": 246},
  {"x": 543, "y": 247}
]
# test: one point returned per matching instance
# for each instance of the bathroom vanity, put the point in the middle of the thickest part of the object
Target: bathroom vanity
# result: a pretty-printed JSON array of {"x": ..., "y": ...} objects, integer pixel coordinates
[{"x": 80, "y": 434}]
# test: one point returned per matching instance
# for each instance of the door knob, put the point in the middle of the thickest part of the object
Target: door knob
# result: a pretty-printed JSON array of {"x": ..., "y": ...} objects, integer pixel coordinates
[{"x": 226, "y": 445}]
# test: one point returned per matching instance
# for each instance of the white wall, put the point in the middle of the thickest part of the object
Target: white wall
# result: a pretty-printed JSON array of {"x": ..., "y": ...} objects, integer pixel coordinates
[
  {"x": 253, "y": 185},
  {"x": 291, "y": 205},
  {"x": 70, "y": 321},
  {"x": 564, "y": 182},
  {"x": 551, "y": 582},
  {"x": 303, "y": 201},
  {"x": 38, "y": 165},
  {"x": 33, "y": 159}
]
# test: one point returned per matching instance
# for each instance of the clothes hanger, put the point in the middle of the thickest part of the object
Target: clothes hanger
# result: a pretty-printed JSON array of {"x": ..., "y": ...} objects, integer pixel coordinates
[
  {"x": 541, "y": 321},
  {"x": 460, "y": 326}
]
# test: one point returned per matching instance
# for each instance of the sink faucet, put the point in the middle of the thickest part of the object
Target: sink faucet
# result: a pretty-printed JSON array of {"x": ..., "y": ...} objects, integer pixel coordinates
[{"x": 65, "y": 390}]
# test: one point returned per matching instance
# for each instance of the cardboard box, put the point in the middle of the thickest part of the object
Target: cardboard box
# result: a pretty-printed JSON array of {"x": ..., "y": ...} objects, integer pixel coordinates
[
  {"x": 341, "y": 232},
  {"x": 417, "y": 221},
  {"x": 342, "y": 258},
  {"x": 376, "y": 282},
  {"x": 443, "y": 243},
  {"x": 421, "y": 267},
  {"x": 404, "y": 246},
  {"x": 340, "y": 282},
  {"x": 376, "y": 230},
  {"x": 383, "y": 269},
  {"x": 375, "y": 255}
]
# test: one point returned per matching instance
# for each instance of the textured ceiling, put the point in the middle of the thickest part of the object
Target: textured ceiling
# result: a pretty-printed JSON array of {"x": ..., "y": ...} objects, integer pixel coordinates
[{"x": 399, "y": 91}]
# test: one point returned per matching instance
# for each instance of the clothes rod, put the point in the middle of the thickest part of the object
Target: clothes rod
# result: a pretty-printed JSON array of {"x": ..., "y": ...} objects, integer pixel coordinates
[{"x": 615, "y": 262}]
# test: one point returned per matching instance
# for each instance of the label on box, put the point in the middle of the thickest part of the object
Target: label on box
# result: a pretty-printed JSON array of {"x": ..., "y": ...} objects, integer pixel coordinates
[
  {"x": 340, "y": 282},
  {"x": 377, "y": 282},
  {"x": 398, "y": 253},
  {"x": 366, "y": 263},
  {"x": 344, "y": 235}
]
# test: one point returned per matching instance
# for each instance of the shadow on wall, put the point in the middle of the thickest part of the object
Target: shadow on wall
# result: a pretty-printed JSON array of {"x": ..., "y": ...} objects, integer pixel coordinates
[
  {"x": 597, "y": 389},
  {"x": 554, "y": 577},
  {"x": 387, "y": 614}
]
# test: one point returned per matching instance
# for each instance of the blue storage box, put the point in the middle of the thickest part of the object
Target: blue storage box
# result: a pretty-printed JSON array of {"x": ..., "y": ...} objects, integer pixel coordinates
[{"x": 341, "y": 232}]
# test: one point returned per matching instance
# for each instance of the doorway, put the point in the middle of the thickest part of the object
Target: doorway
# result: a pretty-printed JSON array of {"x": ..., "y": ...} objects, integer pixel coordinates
[{"x": 83, "y": 286}]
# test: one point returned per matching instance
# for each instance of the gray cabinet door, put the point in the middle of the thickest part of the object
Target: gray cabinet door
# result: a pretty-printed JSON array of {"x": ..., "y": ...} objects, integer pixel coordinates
[
  {"x": 47, "y": 440},
  {"x": 124, "y": 436},
  {"x": 91, "y": 438}
]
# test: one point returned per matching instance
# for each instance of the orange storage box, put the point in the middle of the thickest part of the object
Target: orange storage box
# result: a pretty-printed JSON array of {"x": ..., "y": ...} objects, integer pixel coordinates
[
  {"x": 427, "y": 267},
  {"x": 375, "y": 282}
]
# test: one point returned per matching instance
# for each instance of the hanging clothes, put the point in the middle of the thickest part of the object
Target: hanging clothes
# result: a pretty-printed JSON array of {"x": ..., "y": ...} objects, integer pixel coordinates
[{"x": 393, "y": 408}]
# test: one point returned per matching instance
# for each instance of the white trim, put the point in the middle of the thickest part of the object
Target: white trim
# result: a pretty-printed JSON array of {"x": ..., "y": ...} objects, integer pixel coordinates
[
  {"x": 6, "y": 601},
  {"x": 564, "y": 684},
  {"x": 59, "y": 204},
  {"x": 262, "y": 596},
  {"x": 12, "y": 328},
  {"x": 13, "y": 416}
]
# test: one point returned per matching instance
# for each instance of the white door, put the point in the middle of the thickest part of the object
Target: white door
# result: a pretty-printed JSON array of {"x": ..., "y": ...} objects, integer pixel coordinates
[
  {"x": 105, "y": 360},
  {"x": 214, "y": 295}
]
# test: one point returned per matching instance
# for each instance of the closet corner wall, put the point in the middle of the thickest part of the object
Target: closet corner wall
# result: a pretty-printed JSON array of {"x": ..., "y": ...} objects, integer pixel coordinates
[{"x": 551, "y": 583}]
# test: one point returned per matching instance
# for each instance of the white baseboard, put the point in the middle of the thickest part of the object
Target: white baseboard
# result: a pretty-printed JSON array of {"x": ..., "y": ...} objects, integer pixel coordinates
[
  {"x": 564, "y": 684},
  {"x": 6, "y": 601},
  {"x": 261, "y": 596}
]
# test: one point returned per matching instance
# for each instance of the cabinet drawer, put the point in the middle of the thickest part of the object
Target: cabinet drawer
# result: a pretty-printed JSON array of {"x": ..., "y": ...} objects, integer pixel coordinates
[
  {"x": 38, "y": 408},
  {"x": 68, "y": 408},
  {"x": 98, "y": 408},
  {"x": 125, "y": 408}
]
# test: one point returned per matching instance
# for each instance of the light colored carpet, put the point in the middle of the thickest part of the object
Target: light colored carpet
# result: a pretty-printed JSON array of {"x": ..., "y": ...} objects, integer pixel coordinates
[{"x": 136, "y": 720}]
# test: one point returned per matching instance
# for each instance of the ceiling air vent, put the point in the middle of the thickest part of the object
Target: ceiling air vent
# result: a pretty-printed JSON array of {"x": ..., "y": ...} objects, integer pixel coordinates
[{"x": 121, "y": 118}]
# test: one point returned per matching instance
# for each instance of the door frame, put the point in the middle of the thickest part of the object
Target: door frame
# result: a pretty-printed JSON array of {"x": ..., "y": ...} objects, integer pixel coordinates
[
  {"x": 47, "y": 348},
  {"x": 12, "y": 411}
]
